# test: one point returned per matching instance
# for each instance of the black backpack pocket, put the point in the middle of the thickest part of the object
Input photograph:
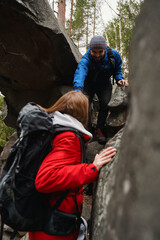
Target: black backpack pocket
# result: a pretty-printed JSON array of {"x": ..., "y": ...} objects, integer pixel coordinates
[{"x": 61, "y": 223}]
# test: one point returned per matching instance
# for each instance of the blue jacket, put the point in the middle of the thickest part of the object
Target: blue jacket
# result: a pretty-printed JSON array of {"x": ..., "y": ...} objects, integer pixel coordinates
[{"x": 87, "y": 62}]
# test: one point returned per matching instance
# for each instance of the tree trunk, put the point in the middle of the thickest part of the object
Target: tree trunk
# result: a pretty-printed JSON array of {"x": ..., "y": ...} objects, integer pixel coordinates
[
  {"x": 70, "y": 24},
  {"x": 53, "y": 5},
  {"x": 120, "y": 28},
  {"x": 107, "y": 39},
  {"x": 61, "y": 12},
  {"x": 94, "y": 20},
  {"x": 120, "y": 34},
  {"x": 116, "y": 39},
  {"x": 87, "y": 34}
]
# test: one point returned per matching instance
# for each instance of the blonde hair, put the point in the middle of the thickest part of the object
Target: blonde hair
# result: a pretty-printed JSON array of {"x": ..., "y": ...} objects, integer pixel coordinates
[{"x": 74, "y": 103}]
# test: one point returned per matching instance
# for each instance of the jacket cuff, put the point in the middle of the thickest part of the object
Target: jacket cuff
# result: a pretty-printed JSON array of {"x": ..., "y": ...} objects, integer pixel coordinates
[
  {"x": 93, "y": 167},
  {"x": 117, "y": 80},
  {"x": 94, "y": 170},
  {"x": 78, "y": 89}
]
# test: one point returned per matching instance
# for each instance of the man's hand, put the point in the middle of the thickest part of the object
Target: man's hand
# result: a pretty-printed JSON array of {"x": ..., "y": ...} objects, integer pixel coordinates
[{"x": 123, "y": 83}]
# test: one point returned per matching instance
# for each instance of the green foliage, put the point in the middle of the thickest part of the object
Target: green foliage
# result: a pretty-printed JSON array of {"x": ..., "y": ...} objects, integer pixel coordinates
[
  {"x": 112, "y": 33},
  {"x": 118, "y": 32},
  {"x": 83, "y": 18},
  {"x": 78, "y": 24},
  {"x": 5, "y": 131},
  {"x": 127, "y": 13}
]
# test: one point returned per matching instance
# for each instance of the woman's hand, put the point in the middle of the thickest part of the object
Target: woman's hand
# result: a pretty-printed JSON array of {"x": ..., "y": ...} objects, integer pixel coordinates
[{"x": 104, "y": 157}]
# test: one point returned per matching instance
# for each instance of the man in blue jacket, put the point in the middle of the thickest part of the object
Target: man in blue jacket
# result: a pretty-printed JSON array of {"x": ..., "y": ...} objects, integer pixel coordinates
[{"x": 93, "y": 75}]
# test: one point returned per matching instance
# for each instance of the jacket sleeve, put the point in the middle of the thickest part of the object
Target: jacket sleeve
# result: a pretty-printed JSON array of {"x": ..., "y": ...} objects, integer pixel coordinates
[
  {"x": 62, "y": 168},
  {"x": 118, "y": 66},
  {"x": 81, "y": 73}
]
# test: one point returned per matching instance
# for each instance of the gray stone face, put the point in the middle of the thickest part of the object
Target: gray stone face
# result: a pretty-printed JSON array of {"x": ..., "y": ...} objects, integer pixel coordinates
[
  {"x": 118, "y": 108},
  {"x": 36, "y": 55},
  {"x": 119, "y": 99},
  {"x": 130, "y": 200},
  {"x": 104, "y": 189}
]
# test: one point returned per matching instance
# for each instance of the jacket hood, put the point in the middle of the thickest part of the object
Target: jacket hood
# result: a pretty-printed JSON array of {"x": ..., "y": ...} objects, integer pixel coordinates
[{"x": 66, "y": 120}]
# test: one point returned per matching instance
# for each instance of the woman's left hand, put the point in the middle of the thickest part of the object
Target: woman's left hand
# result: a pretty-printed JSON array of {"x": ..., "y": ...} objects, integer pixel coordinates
[{"x": 104, "y": 157}]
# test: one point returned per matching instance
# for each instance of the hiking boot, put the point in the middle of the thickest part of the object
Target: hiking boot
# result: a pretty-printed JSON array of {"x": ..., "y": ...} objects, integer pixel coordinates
[{"x": 99, "y": 137}]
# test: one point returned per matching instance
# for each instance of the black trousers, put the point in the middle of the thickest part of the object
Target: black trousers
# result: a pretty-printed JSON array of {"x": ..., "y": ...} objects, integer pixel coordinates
[{"x": 103, "y": 90}]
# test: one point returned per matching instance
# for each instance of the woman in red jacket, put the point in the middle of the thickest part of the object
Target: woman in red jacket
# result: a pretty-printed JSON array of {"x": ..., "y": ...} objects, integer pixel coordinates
[{"x": 62, "y": 169}]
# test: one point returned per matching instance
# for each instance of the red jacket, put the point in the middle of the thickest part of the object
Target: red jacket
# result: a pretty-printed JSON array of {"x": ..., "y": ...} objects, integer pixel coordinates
[{"x": 61, "y": 170}]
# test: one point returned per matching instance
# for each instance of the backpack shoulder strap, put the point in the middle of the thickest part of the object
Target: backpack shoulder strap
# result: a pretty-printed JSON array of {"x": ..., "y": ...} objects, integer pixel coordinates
[
  {"x": 81, "y": 138},
  {"x": 58, "y": 129},
  {"x": 111, "y": 57},
  {"x": 2, "y": 228},
  {"x": 111, "y": 60}
]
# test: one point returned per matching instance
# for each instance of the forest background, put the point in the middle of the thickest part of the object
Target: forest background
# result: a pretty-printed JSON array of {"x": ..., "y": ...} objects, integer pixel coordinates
[
  {"x": 113, "y": 19},
  {"x": 82, "y": 19}
]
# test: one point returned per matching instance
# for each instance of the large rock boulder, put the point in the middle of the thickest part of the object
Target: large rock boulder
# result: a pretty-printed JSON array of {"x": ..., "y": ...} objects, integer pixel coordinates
[
  {"x": 103, "y": 191},
  {"x": 37, "y": 57},
  {"x": 118, "y": 107},
  {"x": 131, "y": 199}
]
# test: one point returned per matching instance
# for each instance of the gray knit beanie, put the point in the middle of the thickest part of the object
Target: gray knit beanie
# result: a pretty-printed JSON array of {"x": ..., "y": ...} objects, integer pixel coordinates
[{"x": 97, "y": 42}]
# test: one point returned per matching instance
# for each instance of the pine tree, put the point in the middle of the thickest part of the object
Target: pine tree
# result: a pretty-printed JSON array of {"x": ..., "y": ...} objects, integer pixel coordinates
[
  {"x": 119, "y": 30},
  {"x": 94, "y": 16},
  {"x": 83, "y": 25},
  {"x": 78, "y": 23}
]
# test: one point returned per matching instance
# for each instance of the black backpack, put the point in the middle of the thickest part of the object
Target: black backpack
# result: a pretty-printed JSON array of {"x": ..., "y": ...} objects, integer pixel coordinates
[{"x": 22, "y": 207}]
